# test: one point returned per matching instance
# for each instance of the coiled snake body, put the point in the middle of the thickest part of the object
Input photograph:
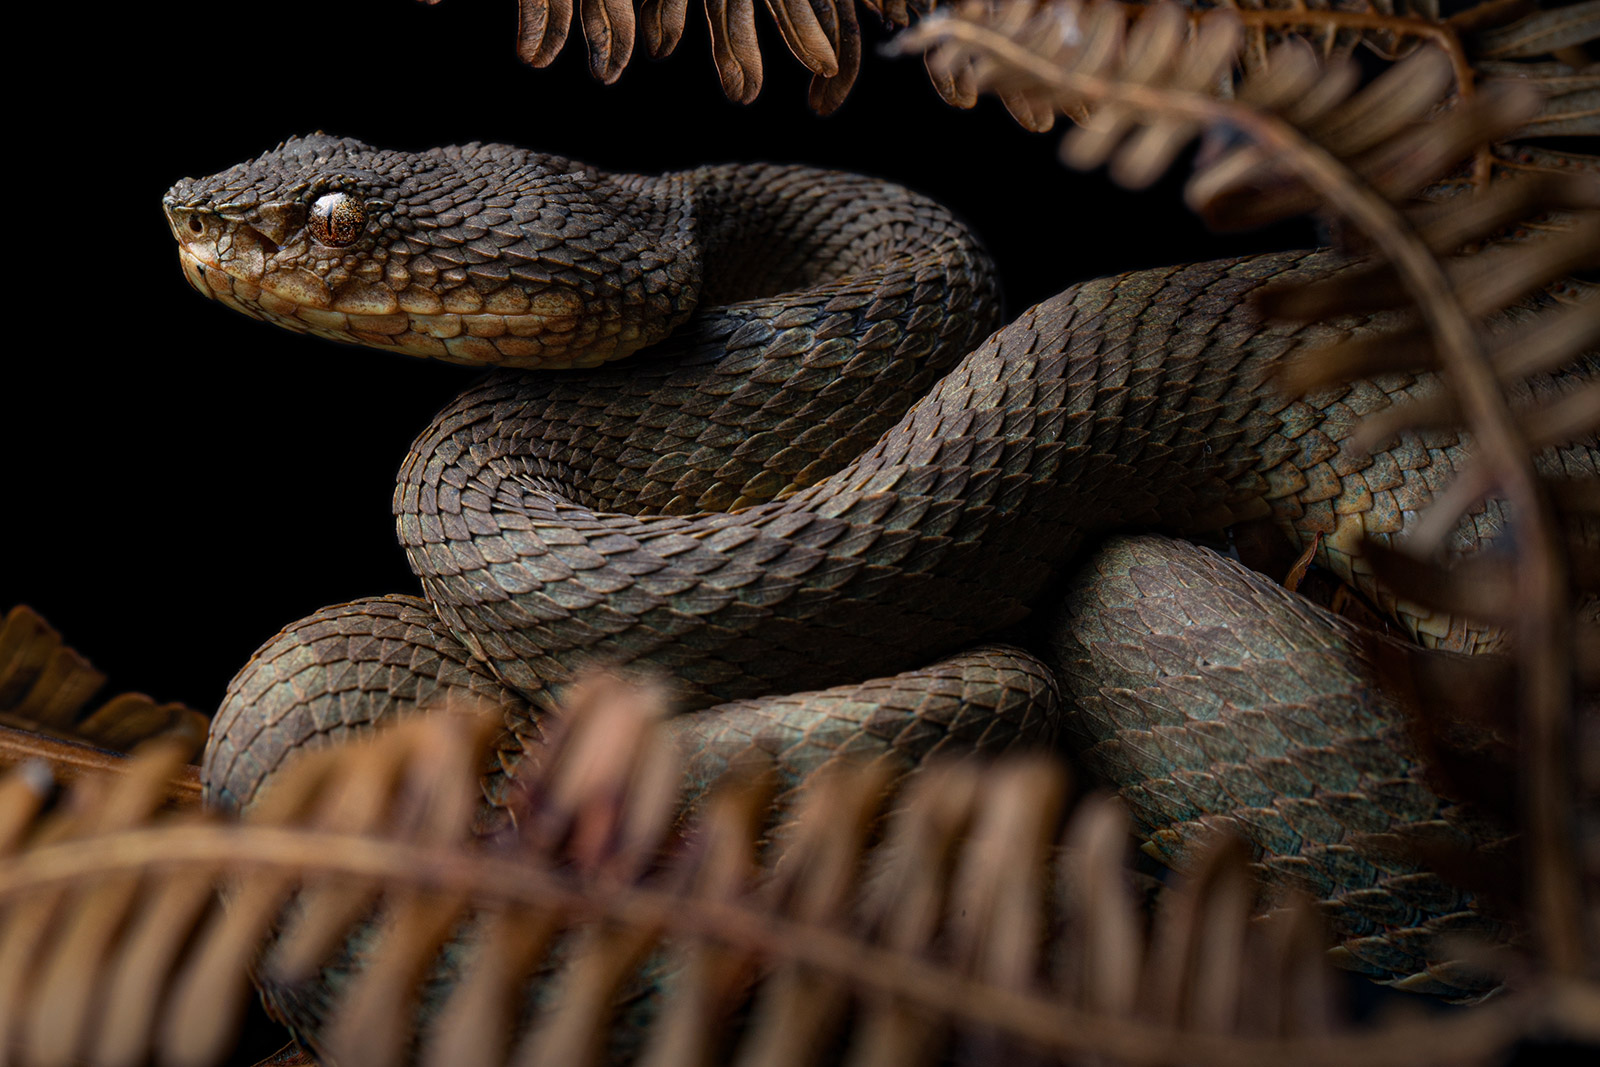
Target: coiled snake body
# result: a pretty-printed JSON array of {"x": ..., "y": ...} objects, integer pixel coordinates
[{"x": 821, "y": 473}]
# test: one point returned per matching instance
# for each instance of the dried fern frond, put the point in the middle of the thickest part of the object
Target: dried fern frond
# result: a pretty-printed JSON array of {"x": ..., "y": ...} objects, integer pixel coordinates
[
  {"x": 1300, "y": 137},
  {"x": 1475, "y": 40},
  {"x": 1389, "y": 28},
  {"x": 1538, "y": 33},
  {"x": 46, "y": 689},
  {"x": 1571, "y": 95},
  {"x": 1144, "y": 88},
  {"x": 378, "y": 927},
  {"x": 825, "y": 36}
]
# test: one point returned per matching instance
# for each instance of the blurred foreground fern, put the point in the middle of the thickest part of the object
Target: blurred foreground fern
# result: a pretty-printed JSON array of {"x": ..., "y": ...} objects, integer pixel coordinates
[{"x": 979, "y": 923}]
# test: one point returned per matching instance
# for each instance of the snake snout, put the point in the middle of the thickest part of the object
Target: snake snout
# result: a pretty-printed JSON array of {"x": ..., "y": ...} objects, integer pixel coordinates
[
  {"x": 186, "y": 222},
  {"x": 195, "y": 231}
]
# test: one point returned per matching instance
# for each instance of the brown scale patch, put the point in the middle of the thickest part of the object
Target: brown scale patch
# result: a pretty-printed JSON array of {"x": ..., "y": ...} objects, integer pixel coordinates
[
  {"x": 506, "y": 301},
  {"x": 417, "y": 300},
  {"x": 382, "y": 325},
  {"x": 473, "y": 350},
  {"x": 443, "y": 327},
  {"x": 518, "y": 348},
  {"x": 421, "y": 345},
  {"x": 299, "y": 287},
  {"x": 462, "y": 300},
  {"x": 484, "y": 325},
  {"x": 334, "y": 321},
  {"x": 365, "y": 298}
]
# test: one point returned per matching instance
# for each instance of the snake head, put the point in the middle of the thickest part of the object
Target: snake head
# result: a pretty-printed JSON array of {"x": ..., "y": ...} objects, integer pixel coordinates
[{"x": 480, "y": 254}]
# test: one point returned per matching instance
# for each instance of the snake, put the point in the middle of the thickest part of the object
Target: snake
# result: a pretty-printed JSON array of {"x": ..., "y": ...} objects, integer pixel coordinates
[{"x": 757, "y": 428}]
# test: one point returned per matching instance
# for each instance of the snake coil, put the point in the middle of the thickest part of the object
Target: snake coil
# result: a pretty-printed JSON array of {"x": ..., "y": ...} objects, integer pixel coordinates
[{"x": 821, "y": 472}]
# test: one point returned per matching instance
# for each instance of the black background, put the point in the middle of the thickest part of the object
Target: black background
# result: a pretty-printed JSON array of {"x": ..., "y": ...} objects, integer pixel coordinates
[{"x": 180, "y": 481}]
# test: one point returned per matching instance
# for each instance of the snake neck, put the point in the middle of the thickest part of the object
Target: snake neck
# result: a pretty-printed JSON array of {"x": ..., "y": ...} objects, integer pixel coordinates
[
  {"x": 831, "y": 303},
  {"x": 764, "y": 230}
]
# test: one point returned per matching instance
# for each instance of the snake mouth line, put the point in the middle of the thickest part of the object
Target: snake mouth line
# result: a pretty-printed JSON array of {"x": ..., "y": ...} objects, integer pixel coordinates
[{"x": 481, "y": 339}]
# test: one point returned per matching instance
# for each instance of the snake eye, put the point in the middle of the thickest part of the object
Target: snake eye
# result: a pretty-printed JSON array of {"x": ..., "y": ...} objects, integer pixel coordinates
[{"x": 337, "y": 219}]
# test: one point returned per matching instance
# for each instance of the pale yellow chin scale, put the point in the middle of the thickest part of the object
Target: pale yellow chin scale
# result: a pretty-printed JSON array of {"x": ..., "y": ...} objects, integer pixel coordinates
[{"x": 507, "y": 329}]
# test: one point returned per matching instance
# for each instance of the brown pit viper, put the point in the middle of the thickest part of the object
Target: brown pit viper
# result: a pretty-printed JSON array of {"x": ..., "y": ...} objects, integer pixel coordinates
[{"x": 821, "y": 472}]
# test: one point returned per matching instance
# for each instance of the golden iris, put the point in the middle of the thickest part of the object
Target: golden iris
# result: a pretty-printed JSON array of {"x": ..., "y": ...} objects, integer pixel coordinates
[{"x": 337, "y": 219}]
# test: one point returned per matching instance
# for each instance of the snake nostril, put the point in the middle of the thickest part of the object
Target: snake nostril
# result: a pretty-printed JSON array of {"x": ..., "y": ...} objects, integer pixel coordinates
[{"x": 195, "y": 225}]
